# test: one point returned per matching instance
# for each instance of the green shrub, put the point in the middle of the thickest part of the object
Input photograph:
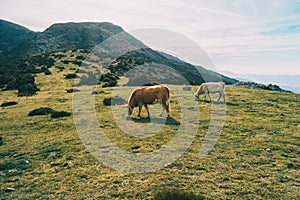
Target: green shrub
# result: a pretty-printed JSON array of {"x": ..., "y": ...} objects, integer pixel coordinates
[
  {"x": 111, "y": 83},
  {"x": 24, "y": 83},
  {"x": 80, "y": 57},
  {"x": 10, "y": 103},
  {"x": 41, "y": 111},
  {"x": 57, "y": 114},
  {"x": 27, "y": 89},
  {"x": 70, "y": 76},
  {"x": 47, "y": 72},
  {"x": 76, "y": 62}
]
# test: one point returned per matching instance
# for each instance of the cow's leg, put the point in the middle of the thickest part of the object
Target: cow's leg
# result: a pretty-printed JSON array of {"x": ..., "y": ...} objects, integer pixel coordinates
[
  {"x": 223, "y": 96},
  {"x": 165, "y": 106},
  {"x": 168, "y": 110},
  {"x": 162, "y": 111},
  {"x": 208, "y": 94},
  {"x": 146, "y": 106},
  {"x": 220, "y": 96},
  {"x": 140, "y": 108}
]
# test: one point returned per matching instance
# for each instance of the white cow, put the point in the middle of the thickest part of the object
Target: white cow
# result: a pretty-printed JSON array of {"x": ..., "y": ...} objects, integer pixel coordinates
[{"x": 210, "y": 87}]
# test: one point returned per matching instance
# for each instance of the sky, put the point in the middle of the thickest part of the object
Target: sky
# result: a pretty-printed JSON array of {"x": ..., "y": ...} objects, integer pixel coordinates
[{"x": 241, "y": 36}]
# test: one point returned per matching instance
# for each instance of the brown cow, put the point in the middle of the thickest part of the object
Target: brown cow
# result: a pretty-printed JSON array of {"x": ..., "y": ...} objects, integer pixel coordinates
[{"x": 149, "y": 95}]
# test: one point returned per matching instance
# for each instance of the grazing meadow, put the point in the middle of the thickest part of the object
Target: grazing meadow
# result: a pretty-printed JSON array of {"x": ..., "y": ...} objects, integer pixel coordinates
[{"x": 256, "y": 154}]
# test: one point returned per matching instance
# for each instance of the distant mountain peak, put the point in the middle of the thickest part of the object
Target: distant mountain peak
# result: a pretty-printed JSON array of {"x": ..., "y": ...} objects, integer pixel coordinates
[
  {"x": 18, "y": 42},
  {"x": 86, "y": 25}
]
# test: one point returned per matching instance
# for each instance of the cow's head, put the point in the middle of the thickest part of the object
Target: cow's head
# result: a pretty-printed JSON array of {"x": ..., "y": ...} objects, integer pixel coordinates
[
  {"x": 196, "y": 96},
  {"x": 128, "y": 111}
]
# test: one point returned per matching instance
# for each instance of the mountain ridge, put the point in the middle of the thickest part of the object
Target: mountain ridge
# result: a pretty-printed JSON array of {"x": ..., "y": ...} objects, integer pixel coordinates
[
  {"x": 124, "y": 51},
  {"x": 58, "y": 37}
]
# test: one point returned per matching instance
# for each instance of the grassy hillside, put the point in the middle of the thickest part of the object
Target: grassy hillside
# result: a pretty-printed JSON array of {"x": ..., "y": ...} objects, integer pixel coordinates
[{"x": 256, "y": 156}]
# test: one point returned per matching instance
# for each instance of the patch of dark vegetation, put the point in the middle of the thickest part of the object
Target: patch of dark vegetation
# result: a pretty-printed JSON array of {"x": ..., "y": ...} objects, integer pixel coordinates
[
  {"x": 114, "y": 101},
  {"x": 27, "y": 89},
  {"x": 176, "y": 195},
  {"x": 75, "y": 62},
  {"x": 9, "y": 73},
  {"x": 98, "y": 92},
  {"x": 61, "y": 68},
  {"x": 70, "y": 76},
  {"x": 71, "y": 90},
  {"x": 58, "y": 55},
  {"x": 24, "y": 83},
  {"x": 47, "y": 72},
  {"x": 14, "y": 164},
  {"x": 41, "y": 111},
  {"x": 66, "y": 61},
  {"x": 47, "y": 110},
  {"x": 109, "y": 80},
  {"x": 41, "y": 60},
  {"x": 58, "y": 114},
  {"x": 9, "y": 103},
  {"x": 80, "y": 57},
  {"x": 51, "y": 152},
  {"x": 44, "y": 69},
  {"x": 293, "y": 166}
]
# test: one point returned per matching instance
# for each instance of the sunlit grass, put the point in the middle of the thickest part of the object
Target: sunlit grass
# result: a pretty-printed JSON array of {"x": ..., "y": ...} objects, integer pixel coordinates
[{"x": 256, "y": 156}]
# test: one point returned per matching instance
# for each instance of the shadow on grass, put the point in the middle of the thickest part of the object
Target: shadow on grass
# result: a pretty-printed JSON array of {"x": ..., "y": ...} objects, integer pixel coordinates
[
  {"x": 156, "y": 120},
  {"x": 220, "y": 103},
  {"x": 231, "y": 104}
]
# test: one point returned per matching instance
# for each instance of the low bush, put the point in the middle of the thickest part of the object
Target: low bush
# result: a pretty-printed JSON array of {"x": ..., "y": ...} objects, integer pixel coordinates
[
  {"x": 47, "y": 72},
  {"x": 41, "y": 111},
  {"x": 10, "y": 103},
  {"x": 70, "y": 76},
  {"x": 57, "y": 114},
  {"x": 27, "y": 89},
  {"x": 98, "y": 92}
]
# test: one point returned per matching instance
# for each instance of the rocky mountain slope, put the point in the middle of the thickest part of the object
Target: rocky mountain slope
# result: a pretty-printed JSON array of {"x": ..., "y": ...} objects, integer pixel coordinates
[{"x": 108, "y": 44}]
